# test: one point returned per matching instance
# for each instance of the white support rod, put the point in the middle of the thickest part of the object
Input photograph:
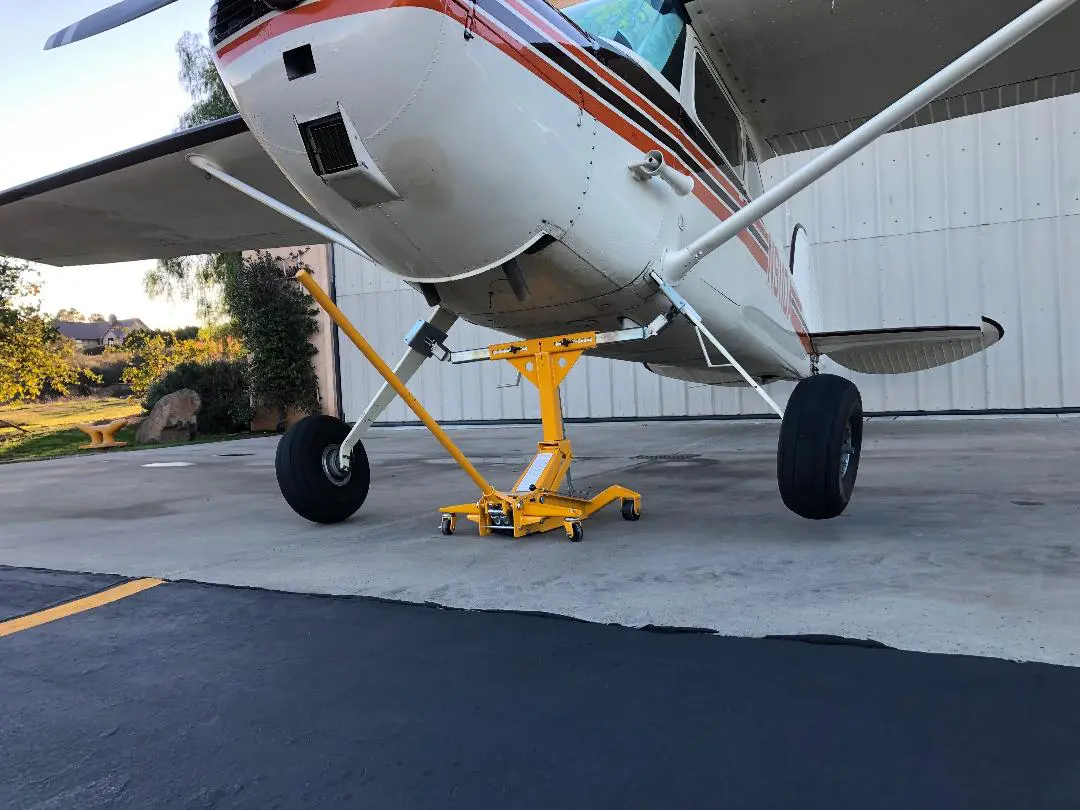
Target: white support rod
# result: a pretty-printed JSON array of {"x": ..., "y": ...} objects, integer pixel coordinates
[
  {"x": 212, "y": 169},
  {"x": 677, "y": 264},
  {"x": 407, "y": 366},
  {"x": 683, "y": 308},
  {"x": 742, "y": 371}
]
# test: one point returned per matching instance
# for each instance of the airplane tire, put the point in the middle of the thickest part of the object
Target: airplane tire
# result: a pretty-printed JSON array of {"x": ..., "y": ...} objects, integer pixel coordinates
[
  {"x": 310, "y": 477},
  {"x": 817, "y": 456}
]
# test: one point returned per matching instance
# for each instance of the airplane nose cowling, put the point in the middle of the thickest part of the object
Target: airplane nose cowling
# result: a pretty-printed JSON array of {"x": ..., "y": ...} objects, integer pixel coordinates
[
  {"x": 353, "y": 65},
  {"x": 440, "y": 150},
  {"x": 304, "y": 64}
]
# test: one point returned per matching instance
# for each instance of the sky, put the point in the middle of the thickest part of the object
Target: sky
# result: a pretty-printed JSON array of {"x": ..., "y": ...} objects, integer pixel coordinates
[{"x": 74, "y": 104}]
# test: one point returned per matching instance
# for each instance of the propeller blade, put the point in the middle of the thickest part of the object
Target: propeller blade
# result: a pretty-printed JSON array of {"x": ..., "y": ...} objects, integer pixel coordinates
[{"x": 108, "y": 18}]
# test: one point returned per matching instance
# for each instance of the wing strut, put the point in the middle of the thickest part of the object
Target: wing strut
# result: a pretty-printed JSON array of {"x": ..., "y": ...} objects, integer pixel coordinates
[
  {"x": 677, "y": 264},
  {"x": 212, "y": 169},
  {"x": 682, "y": 307}
]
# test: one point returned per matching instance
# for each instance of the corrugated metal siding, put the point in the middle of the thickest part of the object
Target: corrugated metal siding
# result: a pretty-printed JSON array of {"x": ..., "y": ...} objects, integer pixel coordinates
[
  {"x": 939, "y": 224},
  {"x": 945, "y": 223}
]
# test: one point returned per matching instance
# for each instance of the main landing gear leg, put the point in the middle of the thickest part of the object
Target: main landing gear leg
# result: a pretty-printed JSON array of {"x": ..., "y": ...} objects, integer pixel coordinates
[{"x": 817, "y": 454}]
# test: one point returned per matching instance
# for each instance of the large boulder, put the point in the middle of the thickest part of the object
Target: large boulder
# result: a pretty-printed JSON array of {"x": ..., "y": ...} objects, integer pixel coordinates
[{"x": 172, "y": 419}]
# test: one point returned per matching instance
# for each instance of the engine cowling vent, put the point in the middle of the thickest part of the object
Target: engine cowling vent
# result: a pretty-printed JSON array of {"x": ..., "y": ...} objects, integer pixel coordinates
[{"x": 328, "y": 145}]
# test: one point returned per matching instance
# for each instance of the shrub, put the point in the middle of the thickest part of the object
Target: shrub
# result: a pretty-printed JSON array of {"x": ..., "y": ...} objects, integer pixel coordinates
[
  {"x": 186, "y": 333},
  {"x": 221, "y": 384},
  {"x": 153, "y": 356},
  {"x": 110, "y": 366},
  {"x": 275, "y": 318},
  {"x": 98, "y": 374}
]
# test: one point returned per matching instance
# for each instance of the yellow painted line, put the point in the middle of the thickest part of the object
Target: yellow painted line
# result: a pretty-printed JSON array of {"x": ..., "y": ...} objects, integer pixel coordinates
[{"x": 77, "y": 606}]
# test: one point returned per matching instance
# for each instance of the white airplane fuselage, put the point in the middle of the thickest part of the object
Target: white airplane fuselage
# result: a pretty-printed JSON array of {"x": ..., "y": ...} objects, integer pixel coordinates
[{"x": 495, "y": 130}]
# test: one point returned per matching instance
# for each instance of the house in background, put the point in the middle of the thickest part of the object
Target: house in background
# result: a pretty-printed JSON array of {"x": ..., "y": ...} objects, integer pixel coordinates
[{"x": 100, "y": 333}]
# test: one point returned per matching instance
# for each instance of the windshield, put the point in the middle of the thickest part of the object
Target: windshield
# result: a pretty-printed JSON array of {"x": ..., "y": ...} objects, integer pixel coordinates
[{"x": 653, "y": 30}]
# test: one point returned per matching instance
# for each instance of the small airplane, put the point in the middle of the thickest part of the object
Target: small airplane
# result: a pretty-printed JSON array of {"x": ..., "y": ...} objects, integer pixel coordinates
[{"x": 565, "y": 167}]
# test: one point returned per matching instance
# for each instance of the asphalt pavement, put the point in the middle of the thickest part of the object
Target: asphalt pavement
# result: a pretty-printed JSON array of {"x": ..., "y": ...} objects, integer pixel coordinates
[{"x": 190, "y": 695}]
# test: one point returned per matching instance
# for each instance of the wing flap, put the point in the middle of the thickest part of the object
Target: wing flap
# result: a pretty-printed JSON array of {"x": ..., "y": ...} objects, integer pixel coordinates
[
  {"x": 899, "y": 351},
  {"x": 150, "y": 203}
]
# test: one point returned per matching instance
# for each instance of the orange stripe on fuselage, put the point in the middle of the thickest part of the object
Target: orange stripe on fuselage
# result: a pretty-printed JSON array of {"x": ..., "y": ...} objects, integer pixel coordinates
[{"x": 307, "y": 15}]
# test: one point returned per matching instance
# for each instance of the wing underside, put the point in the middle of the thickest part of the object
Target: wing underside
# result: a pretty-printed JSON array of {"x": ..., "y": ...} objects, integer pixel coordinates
[
  {"x": 807, "y": 72},
  {"x": 149, "y": 203},
  {"x": 868, "y": 351},
  {"x": 899, "y": 351}
]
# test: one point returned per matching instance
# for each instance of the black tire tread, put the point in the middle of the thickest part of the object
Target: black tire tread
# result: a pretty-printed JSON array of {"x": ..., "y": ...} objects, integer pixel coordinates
[
  {"x": 807, "y": 462},
  {"x": 298, "y": 464}
]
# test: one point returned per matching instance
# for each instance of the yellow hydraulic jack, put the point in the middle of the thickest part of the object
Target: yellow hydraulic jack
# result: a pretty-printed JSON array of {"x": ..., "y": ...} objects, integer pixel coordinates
[{"x": 535, "y": 503}]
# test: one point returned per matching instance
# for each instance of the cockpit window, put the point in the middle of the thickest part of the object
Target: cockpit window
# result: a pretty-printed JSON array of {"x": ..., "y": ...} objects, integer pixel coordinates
[{"x": 653, "y": 29}]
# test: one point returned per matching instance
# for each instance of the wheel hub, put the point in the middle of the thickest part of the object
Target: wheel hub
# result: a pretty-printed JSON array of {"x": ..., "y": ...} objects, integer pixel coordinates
[
  {"x": 331, "y": 465},
  {"x": 847, "y": 452}
]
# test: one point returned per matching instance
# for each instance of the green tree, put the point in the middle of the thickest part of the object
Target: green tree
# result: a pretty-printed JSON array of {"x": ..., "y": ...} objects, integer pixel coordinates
[
  {"x": 192, "y": 278},
  {"x": 154, "y": 354},
  {"x": 196, "y": 278},
  {"x": 275, "y": 318},
  {"x": 210, "y": 100},
  {"x": 33, "y": 355},
  {"x": 13, "y": 286},
  {"x": 73, "y": 315}
]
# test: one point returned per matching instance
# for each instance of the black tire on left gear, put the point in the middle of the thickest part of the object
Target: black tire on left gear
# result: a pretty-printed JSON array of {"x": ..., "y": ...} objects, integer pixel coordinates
[
  {"x": 817, "y": 456},
  {"x": 310, "y": 478}
]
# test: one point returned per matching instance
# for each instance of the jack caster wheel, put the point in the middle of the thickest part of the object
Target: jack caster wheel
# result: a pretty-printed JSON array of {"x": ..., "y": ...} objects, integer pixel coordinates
[
  {"x": 576, "y": 533},
  {"x": 446, "y": 525},
  {"x": 629, "y": 512},
  {"x": 310, "y": 476},
  {"x": 817, "y": 456}
]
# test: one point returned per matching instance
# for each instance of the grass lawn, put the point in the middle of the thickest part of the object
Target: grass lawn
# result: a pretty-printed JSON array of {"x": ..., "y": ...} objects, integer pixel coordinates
[
  {"x": 36, "y": 416},
  {"x": 50, "y": 430}
]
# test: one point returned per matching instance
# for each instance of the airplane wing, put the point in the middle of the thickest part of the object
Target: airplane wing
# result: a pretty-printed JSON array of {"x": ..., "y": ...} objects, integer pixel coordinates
[
  {"x": 898, "y": 351},
  {"x": 150, "y": 203},
  {"x": 808, "y": 72}
]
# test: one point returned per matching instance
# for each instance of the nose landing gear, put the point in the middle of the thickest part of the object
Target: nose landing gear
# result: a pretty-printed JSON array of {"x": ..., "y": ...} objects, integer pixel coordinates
[{"x": 310, "y": 475}]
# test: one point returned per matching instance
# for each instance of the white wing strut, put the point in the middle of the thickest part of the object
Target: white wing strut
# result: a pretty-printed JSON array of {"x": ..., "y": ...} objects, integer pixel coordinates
[
  {"x": 212, "y": 169},
  {"x": 677, "y": 264}
]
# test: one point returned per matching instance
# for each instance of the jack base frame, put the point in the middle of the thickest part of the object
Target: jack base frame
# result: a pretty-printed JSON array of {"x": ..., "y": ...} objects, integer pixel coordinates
[{"x": 524, "y": 513}]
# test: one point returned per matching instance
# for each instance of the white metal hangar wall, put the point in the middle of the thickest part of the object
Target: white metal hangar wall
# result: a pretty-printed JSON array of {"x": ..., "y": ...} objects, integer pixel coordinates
[{"x": 934, "y": 225}]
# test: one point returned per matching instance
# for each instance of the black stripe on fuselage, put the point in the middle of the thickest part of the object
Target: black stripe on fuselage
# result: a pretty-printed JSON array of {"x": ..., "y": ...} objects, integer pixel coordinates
[
  {"x": 646, "y": 85},
  {"x": 634, "y": 75}
]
